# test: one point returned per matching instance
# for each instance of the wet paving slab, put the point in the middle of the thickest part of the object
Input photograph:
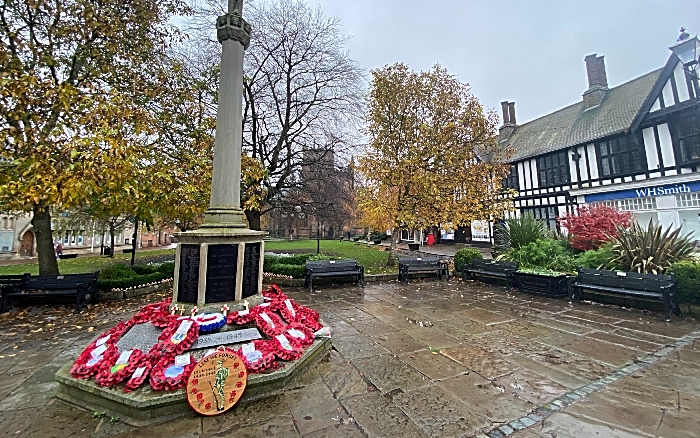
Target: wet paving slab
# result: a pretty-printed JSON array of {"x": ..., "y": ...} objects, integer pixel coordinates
[
  {"x": 438, "y": 414},
  {"x": 604, "y": 352},
  {"x": 434, "y": 358}
]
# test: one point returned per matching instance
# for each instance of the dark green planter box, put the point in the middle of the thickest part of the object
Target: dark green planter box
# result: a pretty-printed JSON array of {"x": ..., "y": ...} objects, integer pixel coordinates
[
  {"x": 413, "y": 246},
  {"x": 548, "y": 285}
]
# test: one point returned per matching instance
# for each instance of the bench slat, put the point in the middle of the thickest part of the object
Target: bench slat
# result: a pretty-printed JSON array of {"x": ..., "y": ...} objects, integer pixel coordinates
[
  {"x": 333, "y": 268},
  {"x": 45, "y": 286},
  {"x": 644, "y": 286}
]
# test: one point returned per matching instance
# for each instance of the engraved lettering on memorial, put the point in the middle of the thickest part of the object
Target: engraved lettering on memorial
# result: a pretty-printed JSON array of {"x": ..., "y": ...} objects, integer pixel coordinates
[
  {"x": 188, "y": 279},
  {"x": 226, "y": 338},
  {"x": 221, "y": 273},
  {"x": 251, "y": 269}
]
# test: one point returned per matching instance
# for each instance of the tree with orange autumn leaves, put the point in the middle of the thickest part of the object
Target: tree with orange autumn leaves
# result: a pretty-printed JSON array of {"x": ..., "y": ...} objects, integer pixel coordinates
[
  {"x": 432, "y": 156},
  {"x": 73, "y": 76},
  {"x": 88, "y": 94}
]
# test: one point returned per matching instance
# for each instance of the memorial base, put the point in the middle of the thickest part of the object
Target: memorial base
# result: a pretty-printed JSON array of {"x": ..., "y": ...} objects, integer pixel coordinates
[
  {"x": 145, "y": 406},
  {"x": 218, "y": 266}
]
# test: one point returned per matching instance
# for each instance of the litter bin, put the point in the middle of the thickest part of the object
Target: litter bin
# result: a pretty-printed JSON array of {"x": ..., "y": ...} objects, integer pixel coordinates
[
  {"x": 431, "y": 239},
  {"x": 107, "y": 251}
]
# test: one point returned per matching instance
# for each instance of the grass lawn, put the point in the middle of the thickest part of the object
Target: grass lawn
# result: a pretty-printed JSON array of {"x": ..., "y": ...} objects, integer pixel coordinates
[
  {"x": 373, "y": 258},
  {"x": 89, "y": 263}
]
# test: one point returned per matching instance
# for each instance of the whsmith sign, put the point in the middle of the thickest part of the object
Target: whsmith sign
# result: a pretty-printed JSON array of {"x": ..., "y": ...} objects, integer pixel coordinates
[{"x": 644, "y": 192}]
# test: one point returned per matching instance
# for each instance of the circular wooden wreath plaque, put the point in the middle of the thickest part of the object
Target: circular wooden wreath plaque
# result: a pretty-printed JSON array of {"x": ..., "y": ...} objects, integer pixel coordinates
[{"x": 216, "y": 383}]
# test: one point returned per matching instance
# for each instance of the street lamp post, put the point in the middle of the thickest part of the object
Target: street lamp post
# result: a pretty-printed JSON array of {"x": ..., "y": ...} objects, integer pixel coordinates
[
  {"x": 318, "y": 236},
  {"x": 687, "y": 50}
]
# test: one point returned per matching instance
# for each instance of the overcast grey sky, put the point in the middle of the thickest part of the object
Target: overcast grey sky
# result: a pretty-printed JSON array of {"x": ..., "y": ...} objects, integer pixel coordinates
[{"x": 526, "y": 51}]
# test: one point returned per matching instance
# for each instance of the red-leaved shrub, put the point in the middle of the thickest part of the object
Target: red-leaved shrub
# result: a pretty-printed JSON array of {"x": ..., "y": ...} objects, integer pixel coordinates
[{"x": 593, "y": 226}]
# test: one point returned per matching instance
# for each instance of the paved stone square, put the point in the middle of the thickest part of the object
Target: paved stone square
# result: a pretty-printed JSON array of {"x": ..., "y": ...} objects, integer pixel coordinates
[{"x": 434, "y": 358}]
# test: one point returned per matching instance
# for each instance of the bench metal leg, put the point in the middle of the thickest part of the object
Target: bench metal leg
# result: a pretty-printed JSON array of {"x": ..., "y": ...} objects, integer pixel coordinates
[
  {"x": 667, "y": 306},
  {"x": 4, "y": 298},
  {"x": 79, "y": 297},
  {"x": 572, "y": 292}
]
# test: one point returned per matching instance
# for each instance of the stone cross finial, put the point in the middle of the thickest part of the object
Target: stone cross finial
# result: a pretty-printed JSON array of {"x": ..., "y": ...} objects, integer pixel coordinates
[{"x": 235, "y": 6}]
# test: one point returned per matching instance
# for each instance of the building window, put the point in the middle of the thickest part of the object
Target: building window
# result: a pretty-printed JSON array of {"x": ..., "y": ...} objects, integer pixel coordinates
[
  {"x": 632, "y": 204},
  {"x": 689, "y": 140},
  {"x": 688, "y": 200},
  {"x": 621, "y": 156},
  {"x": 548, "y": 214},
  {"x": 553, "y": 169},
  {"x": 511, "y": 181}
]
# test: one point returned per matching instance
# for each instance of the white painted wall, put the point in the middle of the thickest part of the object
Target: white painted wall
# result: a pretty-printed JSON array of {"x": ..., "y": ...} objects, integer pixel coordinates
[
  {"x": 592, "y": 161},
  {"x": 668, "y": 95},
  {"x": 650, "y": 147},
  {"x": 583, "y": 164},
  {"x": 656, "y": 106},
  {"x": 666, "y": 145},
  {"x": 535, "y": 181},
  {"x": 681, "y": 84}
]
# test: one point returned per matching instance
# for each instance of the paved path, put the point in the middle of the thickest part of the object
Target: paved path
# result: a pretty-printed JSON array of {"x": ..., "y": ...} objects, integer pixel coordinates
[{"x": 434, "y": 358}]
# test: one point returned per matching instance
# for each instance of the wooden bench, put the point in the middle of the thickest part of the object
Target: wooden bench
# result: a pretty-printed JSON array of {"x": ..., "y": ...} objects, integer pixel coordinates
[
  {"x": 408, "y": 265},
  {"x": 632, "y": 284},
  {"x": 8, "y": 284},
  {"x": 333, "y": 268},
  {"x": 42, "y": 287},
  {"x": 481, "y": 268}
]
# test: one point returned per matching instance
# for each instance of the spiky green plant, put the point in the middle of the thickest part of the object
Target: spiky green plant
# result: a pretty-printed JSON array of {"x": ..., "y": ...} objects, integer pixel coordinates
[
  {"x": 518, "y": 232},
  {"x": 650, "y": 250}
]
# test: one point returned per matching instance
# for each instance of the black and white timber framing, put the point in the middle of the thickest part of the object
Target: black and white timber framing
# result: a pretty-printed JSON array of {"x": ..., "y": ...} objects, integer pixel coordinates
[{"x": 635, "y": 147}]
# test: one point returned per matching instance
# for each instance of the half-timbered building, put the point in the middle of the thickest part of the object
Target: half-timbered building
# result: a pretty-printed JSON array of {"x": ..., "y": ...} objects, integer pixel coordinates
[{"x": 634, "y": 146}]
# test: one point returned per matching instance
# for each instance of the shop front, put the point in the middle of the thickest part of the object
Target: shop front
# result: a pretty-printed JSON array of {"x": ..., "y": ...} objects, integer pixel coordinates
[{"x": 672, "y": 202}]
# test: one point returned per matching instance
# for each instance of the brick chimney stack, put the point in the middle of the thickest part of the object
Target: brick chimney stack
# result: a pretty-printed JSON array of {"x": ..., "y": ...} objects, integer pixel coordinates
[
  {"x": 597, "y": 81},
  {"x": 508, "y": 109}
]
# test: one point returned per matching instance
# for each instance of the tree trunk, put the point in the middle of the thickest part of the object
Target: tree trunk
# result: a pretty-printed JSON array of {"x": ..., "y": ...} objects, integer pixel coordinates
[
  {"x": 111, "y": 239},
  {"x": 253, "y": 217},
  {"x": 133, "y": 241},
  {"x": 391, "y": 261},
  {"x": 41, "y": 222}
]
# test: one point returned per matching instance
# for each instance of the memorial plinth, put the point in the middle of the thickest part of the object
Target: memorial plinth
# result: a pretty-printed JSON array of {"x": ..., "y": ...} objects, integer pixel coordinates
[
  {"x": 218, "y": 266},
  {"x": 222, "y": 263},
  {"x": 145, "y": 406}
]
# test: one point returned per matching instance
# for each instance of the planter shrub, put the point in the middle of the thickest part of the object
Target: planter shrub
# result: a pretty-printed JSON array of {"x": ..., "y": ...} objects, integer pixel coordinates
[
  {"x": 463, "y": 258},
  {"x": 687, "y": 279},
  {"x": 601, "y": 258},
  {"x": 650, "y": 250},
  {"x": 545, "y": 253}
]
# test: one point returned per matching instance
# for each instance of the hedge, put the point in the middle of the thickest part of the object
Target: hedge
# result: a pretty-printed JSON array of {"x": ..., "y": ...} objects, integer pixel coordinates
[
  {"x": 122, "y": 276},
  {"x": 296, "y": 271},
  {"x": 687, "y": 280},
  {"x": 292, "y": 265}
]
